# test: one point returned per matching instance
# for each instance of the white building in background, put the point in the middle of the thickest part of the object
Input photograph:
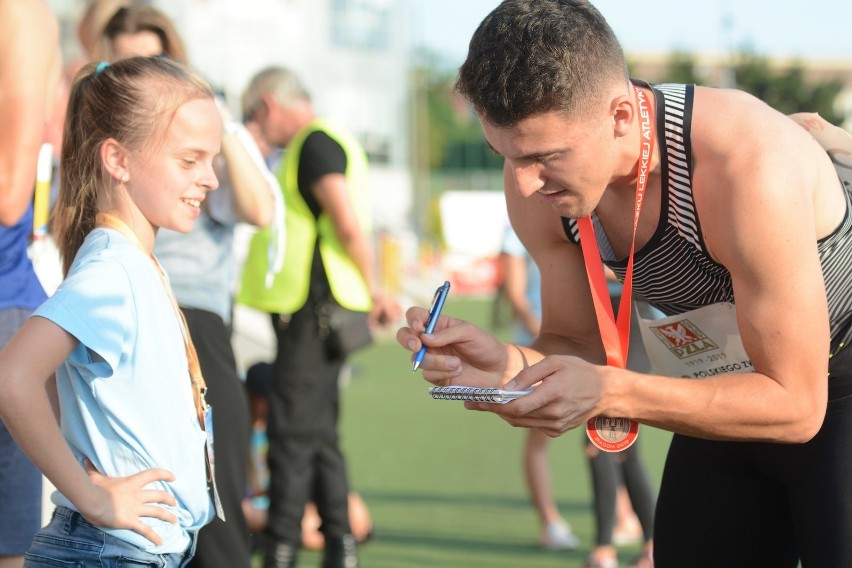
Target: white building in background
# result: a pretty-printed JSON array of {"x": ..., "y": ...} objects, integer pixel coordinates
[{"x": 352, "y": 55}]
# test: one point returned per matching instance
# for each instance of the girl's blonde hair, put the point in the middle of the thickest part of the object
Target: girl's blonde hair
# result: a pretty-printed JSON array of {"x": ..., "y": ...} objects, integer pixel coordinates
[{"x": 132, "y": 101}]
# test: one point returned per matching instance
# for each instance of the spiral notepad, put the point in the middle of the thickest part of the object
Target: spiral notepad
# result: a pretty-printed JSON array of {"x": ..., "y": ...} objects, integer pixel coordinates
[{"x": 499, "y": 396}]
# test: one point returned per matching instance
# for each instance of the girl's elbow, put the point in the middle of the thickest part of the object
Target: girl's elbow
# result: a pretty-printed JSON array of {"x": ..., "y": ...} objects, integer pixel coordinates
[{"x": 10, "y": 397}]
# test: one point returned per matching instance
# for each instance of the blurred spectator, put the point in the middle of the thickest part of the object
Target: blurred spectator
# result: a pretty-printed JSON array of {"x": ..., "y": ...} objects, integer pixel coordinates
[
  {"x": 91, "y": 26},
  {"x": 139, "y": 29},
  {"x": 522, "y": 288},
  {"x": 328, "y": 272},
  {"x": 256, "y": 503}
]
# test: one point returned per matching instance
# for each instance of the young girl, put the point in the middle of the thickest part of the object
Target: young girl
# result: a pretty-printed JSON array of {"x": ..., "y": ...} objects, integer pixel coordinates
[
  {"x": 202, "y": 269},
  {"x": 128, "y": 456}
]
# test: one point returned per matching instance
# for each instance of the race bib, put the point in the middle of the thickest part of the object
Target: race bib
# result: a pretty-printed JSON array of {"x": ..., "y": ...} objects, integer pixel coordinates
[{"x": 697, "y": 344}]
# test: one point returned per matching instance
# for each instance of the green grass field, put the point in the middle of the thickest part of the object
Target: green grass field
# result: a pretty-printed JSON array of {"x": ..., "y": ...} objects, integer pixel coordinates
[{"x": 444, "y": 485}]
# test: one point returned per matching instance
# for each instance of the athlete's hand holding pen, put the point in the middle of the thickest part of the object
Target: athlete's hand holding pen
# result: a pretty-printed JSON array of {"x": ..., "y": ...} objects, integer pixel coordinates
[
  {"x": 567, "y": 389},
  {"x": 457, "y": 352}
]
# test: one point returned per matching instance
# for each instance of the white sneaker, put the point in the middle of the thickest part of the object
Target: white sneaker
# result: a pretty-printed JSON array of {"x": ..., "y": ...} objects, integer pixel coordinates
[{"x": 558, "y": 536}]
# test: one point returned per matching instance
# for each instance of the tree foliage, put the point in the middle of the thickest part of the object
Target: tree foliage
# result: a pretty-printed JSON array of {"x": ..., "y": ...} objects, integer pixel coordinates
[
  {"x": 681, "y": 69},
  {"x": 453, "y": 133},
  {"x": 786, "y": 89}
]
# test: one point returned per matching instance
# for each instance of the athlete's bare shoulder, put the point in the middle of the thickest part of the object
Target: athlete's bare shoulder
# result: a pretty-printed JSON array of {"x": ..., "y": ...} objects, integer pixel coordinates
[
  {"x": 29, "y": 37},
  {"x": 731, "y": 123},
  {"x": 743, "y": 147}
]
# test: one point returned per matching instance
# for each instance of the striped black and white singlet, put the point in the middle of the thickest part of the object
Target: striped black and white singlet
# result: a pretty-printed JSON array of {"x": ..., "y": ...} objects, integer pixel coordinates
[{"x": 673, "y": 270}]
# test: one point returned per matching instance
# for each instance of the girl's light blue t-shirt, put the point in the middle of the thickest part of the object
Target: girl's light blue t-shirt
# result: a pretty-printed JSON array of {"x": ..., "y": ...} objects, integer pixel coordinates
[{"x": 124, "y": 393}]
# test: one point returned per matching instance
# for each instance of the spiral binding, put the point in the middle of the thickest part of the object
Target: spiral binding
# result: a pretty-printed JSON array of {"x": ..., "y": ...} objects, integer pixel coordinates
[{"x": 475, "y": 394}]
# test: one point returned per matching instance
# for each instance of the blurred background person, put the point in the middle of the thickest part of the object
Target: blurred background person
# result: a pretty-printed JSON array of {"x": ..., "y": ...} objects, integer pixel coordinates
[
  {"x": 522, "y": 290},
  {"x": 256, "y": 503},
  {"x": 139, "y": 29},
  {"x": 328, "y": 265},
  {"x": 89, "y": 27},
  {"x": 30, "y": 69},
  {"x": 202, "y": 272}
]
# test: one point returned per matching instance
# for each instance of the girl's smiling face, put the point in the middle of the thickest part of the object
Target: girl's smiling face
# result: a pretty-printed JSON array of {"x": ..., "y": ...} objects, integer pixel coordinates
[{"x": 169, "y": 179}]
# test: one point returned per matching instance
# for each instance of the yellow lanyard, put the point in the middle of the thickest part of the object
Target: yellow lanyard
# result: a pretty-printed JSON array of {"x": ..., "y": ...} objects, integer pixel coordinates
[{"x": 199, "y": 387}]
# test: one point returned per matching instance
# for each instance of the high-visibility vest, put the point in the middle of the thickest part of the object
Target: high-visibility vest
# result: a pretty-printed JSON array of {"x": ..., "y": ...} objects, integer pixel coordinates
[{"x": 288, "y": 289}]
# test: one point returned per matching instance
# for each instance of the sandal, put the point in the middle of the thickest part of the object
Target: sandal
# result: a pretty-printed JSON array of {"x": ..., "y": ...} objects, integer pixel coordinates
[{"x": 644, "y": 560}]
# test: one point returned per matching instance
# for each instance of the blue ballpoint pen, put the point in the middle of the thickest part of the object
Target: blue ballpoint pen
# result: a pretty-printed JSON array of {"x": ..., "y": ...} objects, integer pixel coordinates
[{"x": 434, "y": 313}]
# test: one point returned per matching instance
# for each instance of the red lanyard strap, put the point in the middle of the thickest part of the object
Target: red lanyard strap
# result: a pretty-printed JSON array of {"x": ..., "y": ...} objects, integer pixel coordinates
[
  {"x": 615, "y": 333},
  {"x": 617, "y": 434}
]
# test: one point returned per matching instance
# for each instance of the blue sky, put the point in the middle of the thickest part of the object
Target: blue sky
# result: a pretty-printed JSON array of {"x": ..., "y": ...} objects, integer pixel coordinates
[{"x": 798, "y": 28}]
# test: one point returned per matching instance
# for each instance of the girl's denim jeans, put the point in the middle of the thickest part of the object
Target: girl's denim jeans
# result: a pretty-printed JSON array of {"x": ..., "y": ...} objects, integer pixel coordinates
[{"x": 69, "y": 541}]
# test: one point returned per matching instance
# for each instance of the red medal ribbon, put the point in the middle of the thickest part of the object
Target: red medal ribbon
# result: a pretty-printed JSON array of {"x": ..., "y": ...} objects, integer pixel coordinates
[{"x": 617, "y": 434}]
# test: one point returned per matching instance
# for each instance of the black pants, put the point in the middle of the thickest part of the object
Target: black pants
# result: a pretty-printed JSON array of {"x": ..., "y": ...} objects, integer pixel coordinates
[
  {"x": 305, "y": 461},
  {"x": 743, "y": 504},
  {"x": 223, "y": 544},
  {"x": 608, "y": 471}
]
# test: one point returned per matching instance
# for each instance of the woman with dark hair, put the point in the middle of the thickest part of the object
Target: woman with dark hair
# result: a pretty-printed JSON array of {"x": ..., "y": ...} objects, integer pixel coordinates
[{"x": 139, "y": 29}]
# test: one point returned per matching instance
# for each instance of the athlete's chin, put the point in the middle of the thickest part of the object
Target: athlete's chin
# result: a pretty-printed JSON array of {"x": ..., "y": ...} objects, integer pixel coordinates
[
  {"x": 567, "y": 205},
  {"x": 571, "y": 210}
]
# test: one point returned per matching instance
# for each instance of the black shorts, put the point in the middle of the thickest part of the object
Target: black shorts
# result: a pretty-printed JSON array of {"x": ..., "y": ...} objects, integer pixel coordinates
[{"x": 747, "y": 504}]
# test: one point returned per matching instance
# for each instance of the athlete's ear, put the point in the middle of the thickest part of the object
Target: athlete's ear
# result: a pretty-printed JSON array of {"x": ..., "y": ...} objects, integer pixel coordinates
[{"x": 622, "y": 110}]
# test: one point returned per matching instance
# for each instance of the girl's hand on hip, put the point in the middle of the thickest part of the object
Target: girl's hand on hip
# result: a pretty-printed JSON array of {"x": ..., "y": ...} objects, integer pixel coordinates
[{"x": 125, "y": 500}]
